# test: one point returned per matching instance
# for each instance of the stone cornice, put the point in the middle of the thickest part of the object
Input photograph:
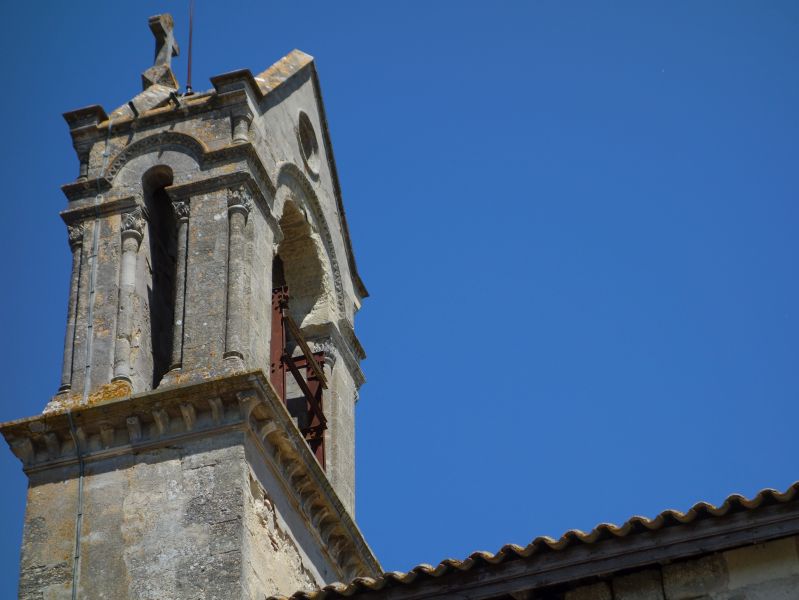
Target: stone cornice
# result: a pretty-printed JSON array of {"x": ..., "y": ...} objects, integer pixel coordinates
[
  {"x": 90, "y": 210},
  {"x": 81, "y": 190},
  {"x": 82, "y": 117},
  {"x": 208, "y": 159},
  {"x": 241, "y": 80},
  {"x": 244, "y": 402}
]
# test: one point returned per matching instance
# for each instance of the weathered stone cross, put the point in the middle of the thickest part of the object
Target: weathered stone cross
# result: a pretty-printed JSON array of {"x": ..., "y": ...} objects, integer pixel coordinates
[{"x": 166, "y": 47}]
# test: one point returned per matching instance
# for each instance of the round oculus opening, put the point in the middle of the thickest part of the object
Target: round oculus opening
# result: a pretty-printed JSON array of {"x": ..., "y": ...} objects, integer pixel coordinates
[{"x": 309, "y": 145}]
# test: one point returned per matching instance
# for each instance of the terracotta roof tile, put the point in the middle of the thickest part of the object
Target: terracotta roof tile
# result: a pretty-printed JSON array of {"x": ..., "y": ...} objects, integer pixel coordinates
[{"x": 669, "y": 518}]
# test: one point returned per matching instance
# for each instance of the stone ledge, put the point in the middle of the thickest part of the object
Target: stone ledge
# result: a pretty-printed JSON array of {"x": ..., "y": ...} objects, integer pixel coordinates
[
  {"x": 149, "y": 420},
  {"x": 244, "y": 153}
]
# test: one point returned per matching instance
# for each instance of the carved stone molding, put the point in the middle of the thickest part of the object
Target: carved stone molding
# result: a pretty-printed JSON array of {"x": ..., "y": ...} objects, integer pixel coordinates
[
  {"x": 162, "y": 140},
  {"x": 181, "y": 208},
  {"x": 327, "y": 346},
  {"x": 133, "y": 223},
  {"x": 239, "y": 198},
  {"x": 292, "y": 175}
]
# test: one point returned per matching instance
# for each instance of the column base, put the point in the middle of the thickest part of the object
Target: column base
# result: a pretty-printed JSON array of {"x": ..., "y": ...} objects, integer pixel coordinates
[{"x": 234, "y": 362}]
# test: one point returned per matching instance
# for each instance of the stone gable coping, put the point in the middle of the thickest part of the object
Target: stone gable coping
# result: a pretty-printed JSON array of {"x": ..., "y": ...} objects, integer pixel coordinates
[{"x": 243, "y": 402}]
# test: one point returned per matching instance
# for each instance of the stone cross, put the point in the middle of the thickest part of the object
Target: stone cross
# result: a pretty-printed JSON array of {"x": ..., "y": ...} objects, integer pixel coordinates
[
  {"x": 166, "y": 47},
  {"x": 161, "y": 73}
]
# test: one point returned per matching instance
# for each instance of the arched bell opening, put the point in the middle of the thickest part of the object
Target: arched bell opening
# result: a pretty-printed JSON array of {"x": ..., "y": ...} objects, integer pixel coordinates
[
  {"x": 300, "y": 297},
  {"x": 162, "y": 254},
  {"x": 302, "y": 268}
]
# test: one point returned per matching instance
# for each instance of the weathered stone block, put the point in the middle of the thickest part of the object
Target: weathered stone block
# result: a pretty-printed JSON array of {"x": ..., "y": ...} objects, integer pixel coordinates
[
  {"x": 596, "y": 591},
  {"x": 690, "y": 579},
  {"x": 643, "y": 585},
  {"x": 763, "y": 562}
]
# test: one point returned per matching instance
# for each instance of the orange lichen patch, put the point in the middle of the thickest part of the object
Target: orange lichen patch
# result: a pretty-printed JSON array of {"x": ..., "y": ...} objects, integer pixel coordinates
[{"x": 111, "y": 391}]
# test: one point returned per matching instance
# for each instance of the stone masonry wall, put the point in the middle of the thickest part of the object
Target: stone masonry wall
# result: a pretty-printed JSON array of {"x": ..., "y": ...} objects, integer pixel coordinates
[
  {"x": 767, "y": 571},
  {"x": 188, "y": 521},
  {"x": 280, "y": 555},
  {"x": 340, "y": 442}
]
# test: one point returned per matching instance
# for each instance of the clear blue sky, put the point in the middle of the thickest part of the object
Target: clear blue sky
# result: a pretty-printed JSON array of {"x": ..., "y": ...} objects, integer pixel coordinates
[{"x": 577, "y": 220}]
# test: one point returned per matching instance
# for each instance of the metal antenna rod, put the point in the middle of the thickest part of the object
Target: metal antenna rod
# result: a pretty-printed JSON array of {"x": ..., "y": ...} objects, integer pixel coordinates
[{"x": 189, "y": 91}]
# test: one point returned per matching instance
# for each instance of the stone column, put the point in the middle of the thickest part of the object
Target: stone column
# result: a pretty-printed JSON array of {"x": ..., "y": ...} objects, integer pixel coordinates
[
  {"x": 131, "y": 229},
  {"x": 76, "y": 245},
  {"x": 241, "y": 117},
  {"x": 181, "y": 208},
  {"x": 239, "y": 206},
  {"x": 83, "y": 161}
]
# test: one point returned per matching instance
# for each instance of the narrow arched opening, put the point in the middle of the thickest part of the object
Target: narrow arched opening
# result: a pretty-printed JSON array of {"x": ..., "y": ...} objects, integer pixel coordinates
[
  {"x": 162, "y": 251},
  {"x": 301, "y": 266},
  {"x": 299, "y": 299}
]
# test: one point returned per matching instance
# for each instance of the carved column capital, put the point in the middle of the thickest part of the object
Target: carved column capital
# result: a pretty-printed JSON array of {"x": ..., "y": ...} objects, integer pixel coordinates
[
  {"x": 239, "y": 200},
  {"x": 133, "y": 224},
  {"x": 75, "y": 233},
  {"x": 327, "y": 346},
  {"x": 181, "y": 208}
]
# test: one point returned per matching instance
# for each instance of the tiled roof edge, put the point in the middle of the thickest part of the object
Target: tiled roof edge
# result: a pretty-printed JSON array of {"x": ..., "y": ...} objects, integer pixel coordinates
[{"x": 637, "y": 524}]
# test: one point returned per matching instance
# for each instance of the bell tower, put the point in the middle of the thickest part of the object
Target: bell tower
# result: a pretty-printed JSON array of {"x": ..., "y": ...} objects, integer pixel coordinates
[{"x": 201, "y": 442}]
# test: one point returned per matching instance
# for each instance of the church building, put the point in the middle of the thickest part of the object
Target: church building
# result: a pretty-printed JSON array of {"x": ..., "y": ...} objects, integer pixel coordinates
[{"x": 201, "y": 442}]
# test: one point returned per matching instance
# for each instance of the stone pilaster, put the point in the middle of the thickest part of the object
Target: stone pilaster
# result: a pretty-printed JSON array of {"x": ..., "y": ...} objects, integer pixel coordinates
[
  {"x": 76, "y": 245},
  {"x": 239, "y": 206},
  {"x": 181, "y": 208},
  {"x": 132, "y": 230}
]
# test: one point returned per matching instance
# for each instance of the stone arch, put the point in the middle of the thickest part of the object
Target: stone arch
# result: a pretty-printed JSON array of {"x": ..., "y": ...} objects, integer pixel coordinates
[
  {"x": 294, "y": 187},
  {"x": 180, "y": 144},
  {"x": 299, "y": 264}
]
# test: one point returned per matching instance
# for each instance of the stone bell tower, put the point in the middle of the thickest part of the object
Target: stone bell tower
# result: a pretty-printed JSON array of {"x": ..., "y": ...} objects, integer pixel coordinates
[{"x": 201, "y": 442}]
